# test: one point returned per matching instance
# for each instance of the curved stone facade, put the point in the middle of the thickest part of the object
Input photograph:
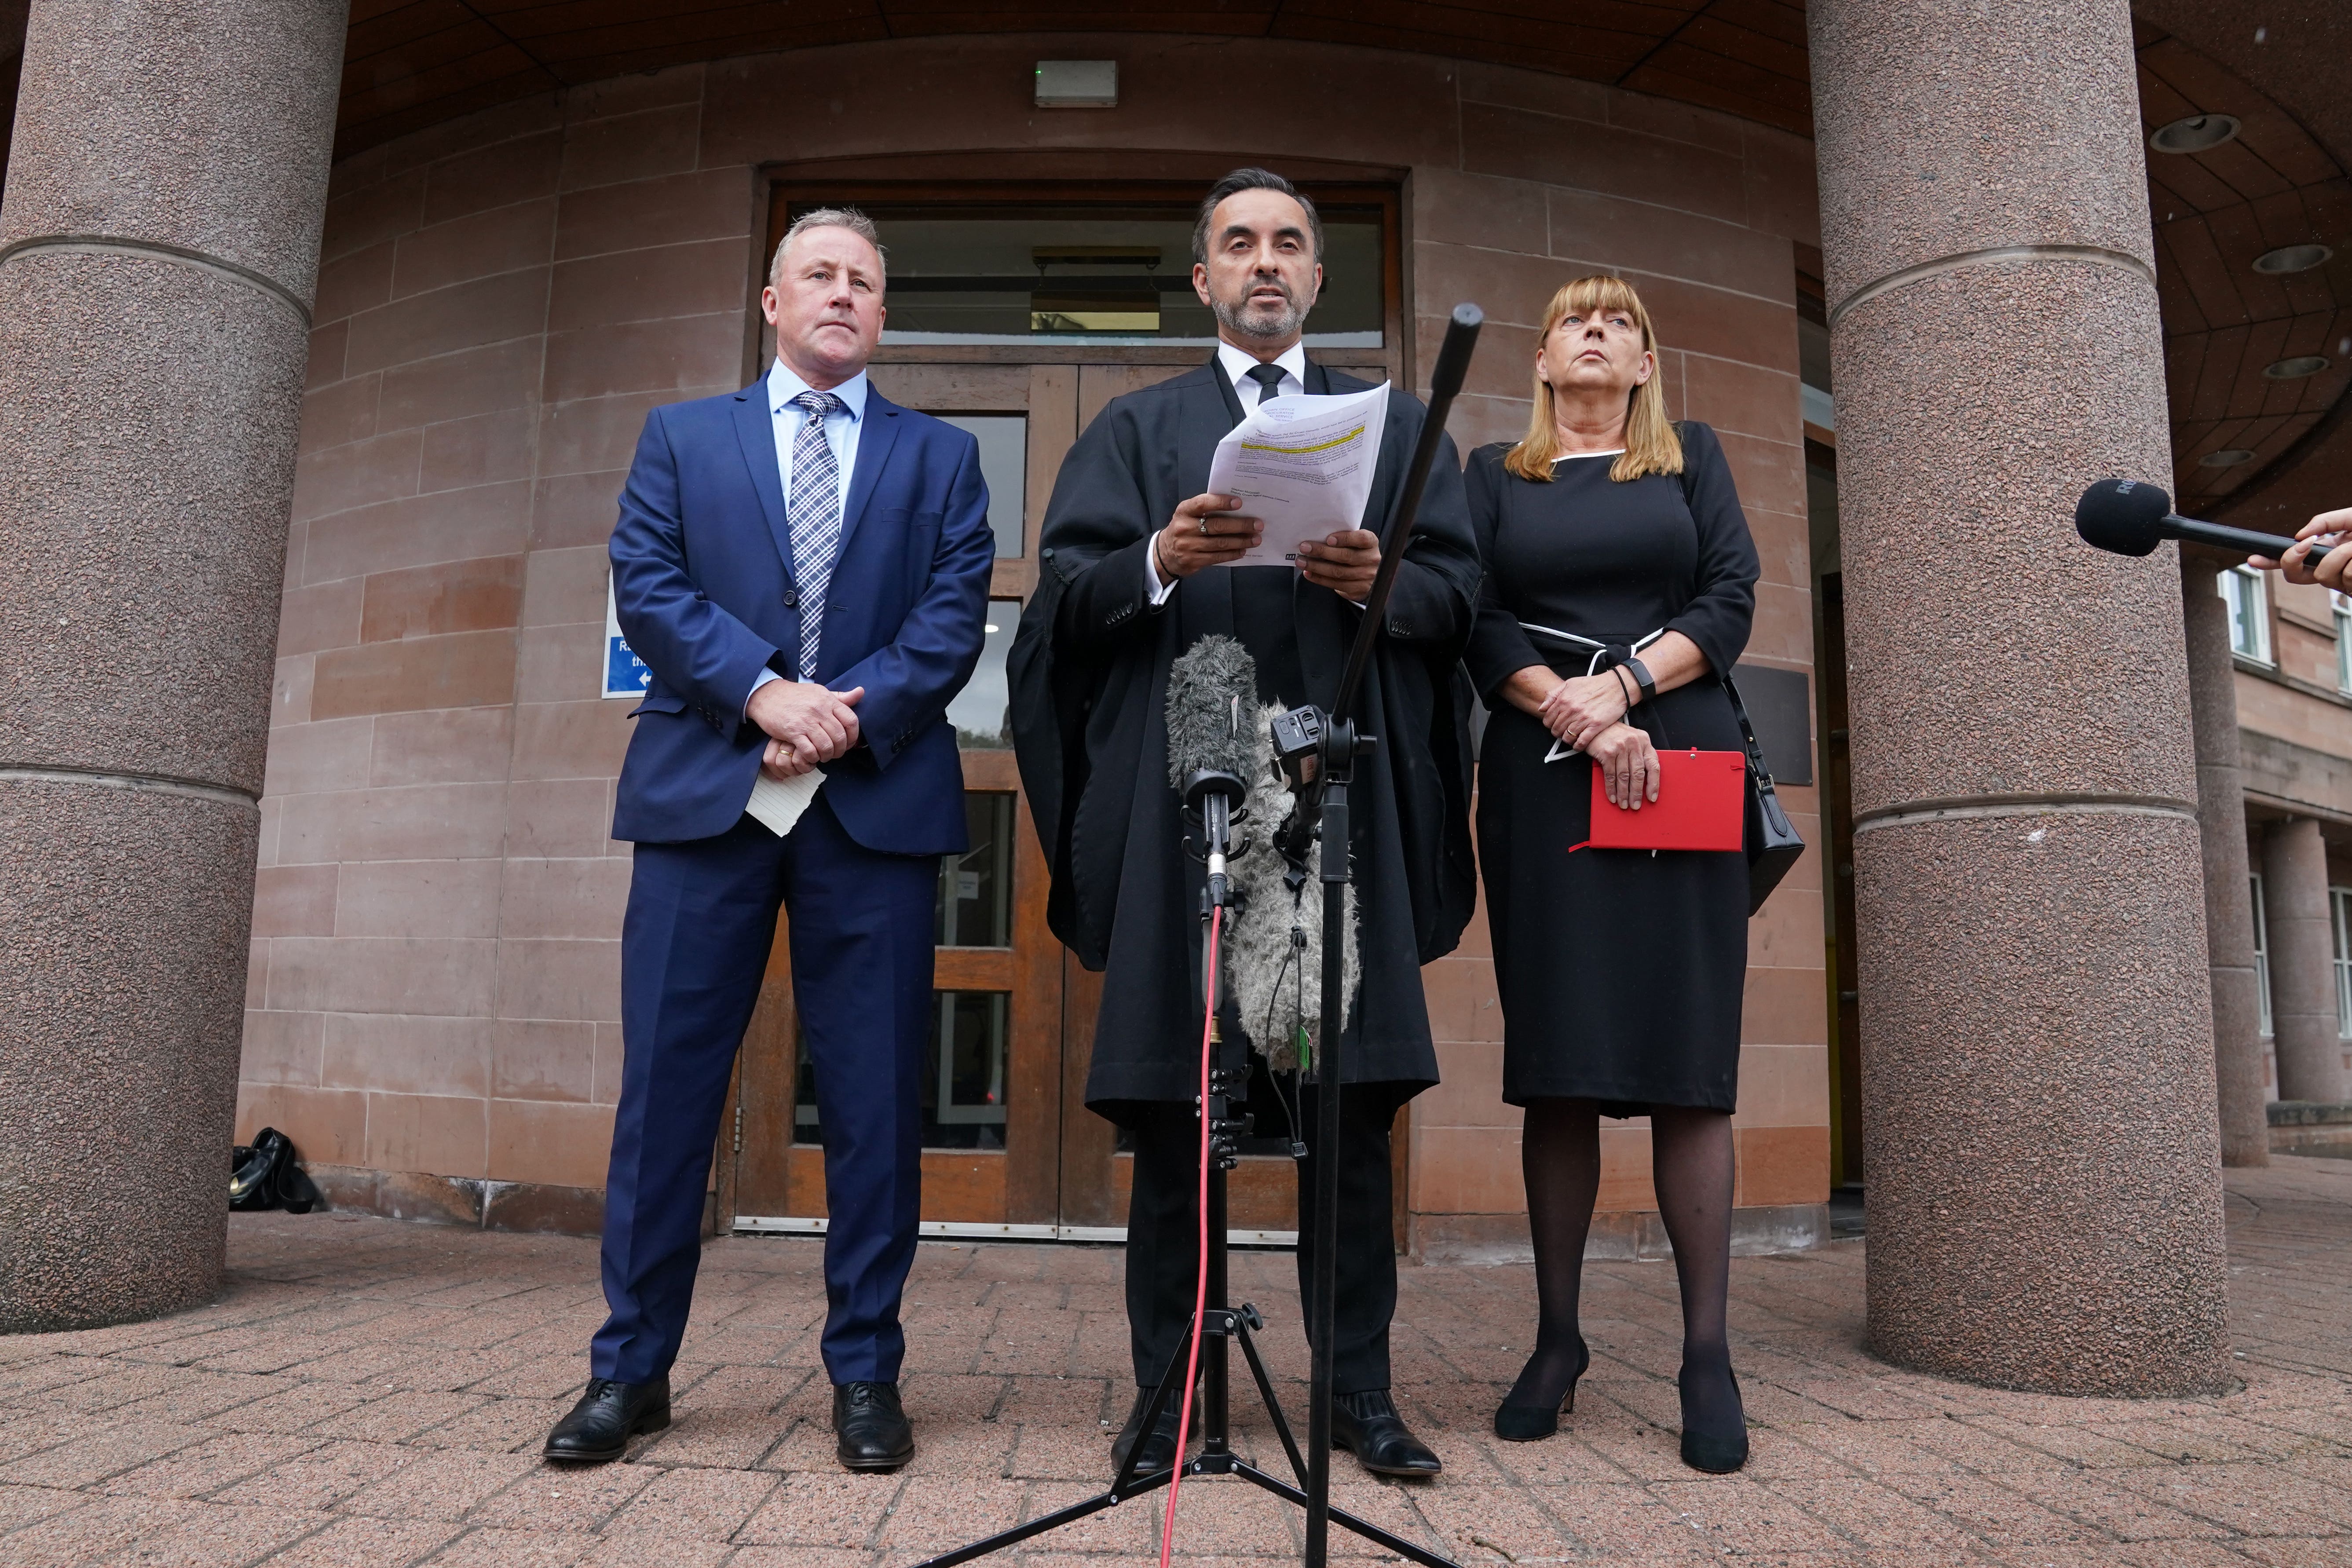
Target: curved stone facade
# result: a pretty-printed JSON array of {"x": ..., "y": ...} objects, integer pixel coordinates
[{"x": 501, "y": 298}]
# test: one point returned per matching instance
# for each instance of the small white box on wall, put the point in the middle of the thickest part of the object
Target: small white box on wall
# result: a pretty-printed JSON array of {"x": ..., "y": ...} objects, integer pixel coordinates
[{"x": 1078, "y": 84}]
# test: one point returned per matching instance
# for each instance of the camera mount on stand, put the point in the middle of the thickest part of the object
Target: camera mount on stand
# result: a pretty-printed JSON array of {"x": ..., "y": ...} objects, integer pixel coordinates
[{"x": 1317, "y": 750}]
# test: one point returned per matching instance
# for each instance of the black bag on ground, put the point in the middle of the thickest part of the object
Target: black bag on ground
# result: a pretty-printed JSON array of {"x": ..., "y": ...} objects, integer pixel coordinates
[
  {"x": 265, "y": 1174},
  {"x": 1772, "y": 844}
]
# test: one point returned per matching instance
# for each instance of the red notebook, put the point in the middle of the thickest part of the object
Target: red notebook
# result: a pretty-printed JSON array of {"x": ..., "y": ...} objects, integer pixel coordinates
[{"x": 1702, "y": 805}]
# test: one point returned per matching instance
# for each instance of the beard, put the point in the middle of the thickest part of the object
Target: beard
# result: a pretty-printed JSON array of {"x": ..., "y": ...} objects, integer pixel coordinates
[{"x": 1237, "y": 315}]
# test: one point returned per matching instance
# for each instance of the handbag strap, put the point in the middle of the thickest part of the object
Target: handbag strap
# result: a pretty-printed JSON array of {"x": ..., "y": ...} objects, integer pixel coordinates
[{"x": 1756, "y": 768}]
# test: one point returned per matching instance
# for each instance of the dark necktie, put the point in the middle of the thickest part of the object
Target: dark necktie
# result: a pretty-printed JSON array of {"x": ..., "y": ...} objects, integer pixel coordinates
[
  {"x": 813, "y": 516},
  {"x": 1270, "y": 380}
]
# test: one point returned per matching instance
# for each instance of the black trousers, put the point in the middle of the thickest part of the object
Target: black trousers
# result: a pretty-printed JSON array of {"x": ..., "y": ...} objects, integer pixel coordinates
[{"x": 1163, "y": 1234}]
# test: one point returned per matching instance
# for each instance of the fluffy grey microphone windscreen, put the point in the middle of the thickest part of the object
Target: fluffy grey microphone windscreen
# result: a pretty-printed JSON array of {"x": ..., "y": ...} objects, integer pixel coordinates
[
  {"x": 1277, "y": 978},
  {"x": 1212, "y": 710}
]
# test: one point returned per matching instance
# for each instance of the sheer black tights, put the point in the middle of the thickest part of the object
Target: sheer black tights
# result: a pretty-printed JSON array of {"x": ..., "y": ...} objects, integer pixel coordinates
[{"x": 1691, "y": 1163}]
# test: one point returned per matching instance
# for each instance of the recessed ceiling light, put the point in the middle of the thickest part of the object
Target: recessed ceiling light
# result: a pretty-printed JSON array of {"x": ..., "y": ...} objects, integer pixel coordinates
[
  {"x": 2292, "y": 258},
  {"x": 2295, "y": 369},
  {"x": 2227, "y": 458},
  {"x": 2196, "y": 134}
]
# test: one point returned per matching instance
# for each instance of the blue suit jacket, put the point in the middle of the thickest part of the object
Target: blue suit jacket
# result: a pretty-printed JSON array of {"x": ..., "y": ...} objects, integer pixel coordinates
[{"x": 702, "y": 580}]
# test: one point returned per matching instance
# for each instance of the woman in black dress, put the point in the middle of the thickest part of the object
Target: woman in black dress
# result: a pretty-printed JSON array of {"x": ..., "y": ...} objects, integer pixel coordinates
[{"x": 1620, "y": 585}]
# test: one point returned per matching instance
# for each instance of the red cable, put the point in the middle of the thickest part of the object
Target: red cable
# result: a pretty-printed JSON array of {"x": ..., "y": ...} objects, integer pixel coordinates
[{"x": 1201, "y": 1286}]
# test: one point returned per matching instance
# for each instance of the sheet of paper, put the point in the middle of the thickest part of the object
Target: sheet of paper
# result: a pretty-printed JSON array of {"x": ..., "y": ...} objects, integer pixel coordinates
[
  {"x": 1303, "y": 466},
  {"x": 778, "y": 805}
]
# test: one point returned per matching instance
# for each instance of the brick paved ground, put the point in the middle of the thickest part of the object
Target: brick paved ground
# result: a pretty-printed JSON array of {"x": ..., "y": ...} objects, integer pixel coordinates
[{"x": 372, "y": 1394}]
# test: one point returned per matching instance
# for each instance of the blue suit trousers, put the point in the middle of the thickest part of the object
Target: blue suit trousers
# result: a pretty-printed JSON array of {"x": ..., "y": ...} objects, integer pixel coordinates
[{"x": 694, "y": 948}]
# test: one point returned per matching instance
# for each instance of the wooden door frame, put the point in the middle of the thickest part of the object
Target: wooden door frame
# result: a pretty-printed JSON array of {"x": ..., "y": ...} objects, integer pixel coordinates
[{"x": 762, "y": 1112}]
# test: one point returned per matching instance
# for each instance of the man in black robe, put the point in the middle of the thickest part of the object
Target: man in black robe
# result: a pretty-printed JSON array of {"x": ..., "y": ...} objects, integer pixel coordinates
[{"x": 1135, "y": 569}]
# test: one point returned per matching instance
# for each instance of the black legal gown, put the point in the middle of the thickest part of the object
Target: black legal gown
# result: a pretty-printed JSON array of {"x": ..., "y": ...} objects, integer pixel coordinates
[
  {"x": 1619, "y": 970},
  {"x": 1089, "y": 672}
]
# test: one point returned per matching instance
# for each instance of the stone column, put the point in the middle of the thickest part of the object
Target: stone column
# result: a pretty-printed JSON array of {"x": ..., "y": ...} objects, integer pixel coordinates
[
  {"x": 158, "y": 250},
  {"x": 2228, "y": 904},
  {"x": 2040, "y": 1123},
  {"x": 2303, "y": 962}
]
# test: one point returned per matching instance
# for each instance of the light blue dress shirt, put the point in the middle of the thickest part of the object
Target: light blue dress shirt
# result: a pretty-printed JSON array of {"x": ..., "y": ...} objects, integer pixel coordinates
[{"x": 841, "y": 428}]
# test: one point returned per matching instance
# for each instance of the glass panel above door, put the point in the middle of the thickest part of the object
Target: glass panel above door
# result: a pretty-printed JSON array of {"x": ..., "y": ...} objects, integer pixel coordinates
[
  {"x": 1004, "y": 466},
  {"x": 1108, "y": 275}
]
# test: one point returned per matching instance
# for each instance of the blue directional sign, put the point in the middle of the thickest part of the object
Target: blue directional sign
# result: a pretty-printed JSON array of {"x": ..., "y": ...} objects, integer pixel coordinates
[{"x": 625, "y": 674}]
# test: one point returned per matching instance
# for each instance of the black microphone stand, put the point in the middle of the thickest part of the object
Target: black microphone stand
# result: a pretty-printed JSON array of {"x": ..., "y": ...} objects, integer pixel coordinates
[{"x": 1215, "y": 798}]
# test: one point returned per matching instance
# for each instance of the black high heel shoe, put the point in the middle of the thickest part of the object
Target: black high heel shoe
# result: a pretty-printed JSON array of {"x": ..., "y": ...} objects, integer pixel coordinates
[
  {"x": 1534, "y": 1423},
  {"x": 1720, "y": 1450}
]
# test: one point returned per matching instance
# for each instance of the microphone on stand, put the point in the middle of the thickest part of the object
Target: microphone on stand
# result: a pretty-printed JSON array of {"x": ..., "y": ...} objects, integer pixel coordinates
[
  {"x": 2132, "y": 517},
  {"x": 1211, "y": 700}
]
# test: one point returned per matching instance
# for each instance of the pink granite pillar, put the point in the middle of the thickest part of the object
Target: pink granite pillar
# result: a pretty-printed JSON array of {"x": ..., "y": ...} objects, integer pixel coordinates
[
  {"x": 2221, "y": 832},
  {"x": 158, "y": 250},
  {"x": 2303, "y": 962},
  {"x": 2040, "y": 1124}
]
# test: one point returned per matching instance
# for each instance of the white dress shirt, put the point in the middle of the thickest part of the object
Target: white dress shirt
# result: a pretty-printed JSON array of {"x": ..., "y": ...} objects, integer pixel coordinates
[
  {"x": 1236, "y": 364},
  {"x": 841, "y": 428}
]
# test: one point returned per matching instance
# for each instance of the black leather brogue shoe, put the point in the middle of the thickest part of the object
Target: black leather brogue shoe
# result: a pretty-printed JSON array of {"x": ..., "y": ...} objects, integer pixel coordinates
[
  {"x": 1159, "y": 1446},
  {"x": 607, "y": 1416},
  {"x": 874, "y": 1431},
  {"x": 1366, "y": 1424}
]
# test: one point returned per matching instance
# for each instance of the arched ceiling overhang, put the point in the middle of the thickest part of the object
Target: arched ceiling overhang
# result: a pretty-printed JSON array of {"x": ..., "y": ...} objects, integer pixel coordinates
[
  {"x": 413, "y": 62},
  {"x": 2283, "y": 181}
]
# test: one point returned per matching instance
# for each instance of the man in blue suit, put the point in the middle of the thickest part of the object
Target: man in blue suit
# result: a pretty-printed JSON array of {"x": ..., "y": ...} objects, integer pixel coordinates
[{"x": 803, "y": 566}]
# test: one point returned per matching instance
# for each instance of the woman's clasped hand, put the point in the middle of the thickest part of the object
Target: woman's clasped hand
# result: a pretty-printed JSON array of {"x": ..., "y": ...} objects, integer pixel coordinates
[{"x": 1587, "y": 712}]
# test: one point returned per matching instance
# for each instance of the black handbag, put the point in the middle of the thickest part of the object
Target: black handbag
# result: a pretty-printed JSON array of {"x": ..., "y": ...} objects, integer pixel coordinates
[
  {"x": 266, "y": 1174},
  {"x": 1773, "y": 845}
]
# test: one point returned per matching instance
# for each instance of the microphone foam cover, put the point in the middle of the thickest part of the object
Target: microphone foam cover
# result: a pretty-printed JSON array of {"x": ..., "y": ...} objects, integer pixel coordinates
[
  {"x": 2122, "y": 515},
  {"x": 1202, "y": 732}
]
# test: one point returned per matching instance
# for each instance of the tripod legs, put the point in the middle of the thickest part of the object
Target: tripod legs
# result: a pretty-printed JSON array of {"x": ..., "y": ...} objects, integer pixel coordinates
[{"x": 1217, "y": 1458}]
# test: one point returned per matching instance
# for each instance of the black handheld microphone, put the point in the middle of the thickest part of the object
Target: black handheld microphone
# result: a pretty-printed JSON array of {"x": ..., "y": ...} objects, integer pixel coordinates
[
  {"x": 2132, "y": 517},
  {"x": 1212, "y": 708}
]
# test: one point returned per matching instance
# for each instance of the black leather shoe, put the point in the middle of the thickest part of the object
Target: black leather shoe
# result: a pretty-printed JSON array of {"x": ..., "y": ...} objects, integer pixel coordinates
[
  {"x": 607, "y": 1416},
  {"x": 1366, "y": 1424},
  {"x": 875, "y": 1433},
  {"x": 1159, "y": 1447}
]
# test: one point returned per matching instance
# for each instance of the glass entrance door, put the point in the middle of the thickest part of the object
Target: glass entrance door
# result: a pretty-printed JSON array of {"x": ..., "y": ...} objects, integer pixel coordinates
[{"x": 1017, "y": 317}]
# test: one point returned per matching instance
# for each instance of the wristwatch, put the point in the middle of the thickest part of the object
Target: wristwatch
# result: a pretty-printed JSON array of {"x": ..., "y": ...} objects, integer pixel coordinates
[{"x": 1642, "y": 678}]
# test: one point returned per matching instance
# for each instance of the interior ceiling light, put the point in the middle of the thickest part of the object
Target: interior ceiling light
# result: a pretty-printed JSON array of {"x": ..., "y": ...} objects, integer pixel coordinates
[
  {"x": 2227, "y": 458},
  {"x": 2198, "y": 133},
  {"x": 2292, "y": 258},
  {"x": 2295, "y": 369}
]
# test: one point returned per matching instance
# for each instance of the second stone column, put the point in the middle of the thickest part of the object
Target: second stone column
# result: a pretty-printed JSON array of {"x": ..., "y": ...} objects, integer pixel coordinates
[
  {"x": 2039, "y": 1096},
  {"x": 2302, "y": 931}
]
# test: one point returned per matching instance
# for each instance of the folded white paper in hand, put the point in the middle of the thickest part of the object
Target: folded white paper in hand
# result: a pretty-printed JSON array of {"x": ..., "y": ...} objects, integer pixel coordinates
[
  {"x": 778, "y": 803},
  {"x": 1302, "y": 465}
]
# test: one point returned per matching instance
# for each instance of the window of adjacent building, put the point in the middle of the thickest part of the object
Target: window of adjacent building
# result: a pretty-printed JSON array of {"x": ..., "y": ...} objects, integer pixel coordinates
[
  {"x": 2343, "y": 640},
  {"x": 2340, "y": 909},
  {"x": 2262, "y": 952},
  {"x": 2243, "y": 590}
]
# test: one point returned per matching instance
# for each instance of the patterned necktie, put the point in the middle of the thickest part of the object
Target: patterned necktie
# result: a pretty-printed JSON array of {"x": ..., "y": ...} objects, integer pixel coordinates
[
  {"x": 813, "y": 514},
  {"x": 1270, "y": 380}
]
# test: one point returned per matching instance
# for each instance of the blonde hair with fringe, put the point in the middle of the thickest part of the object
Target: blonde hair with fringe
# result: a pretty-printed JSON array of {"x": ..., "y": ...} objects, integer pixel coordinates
[{"x": 1652, "y": 446}]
